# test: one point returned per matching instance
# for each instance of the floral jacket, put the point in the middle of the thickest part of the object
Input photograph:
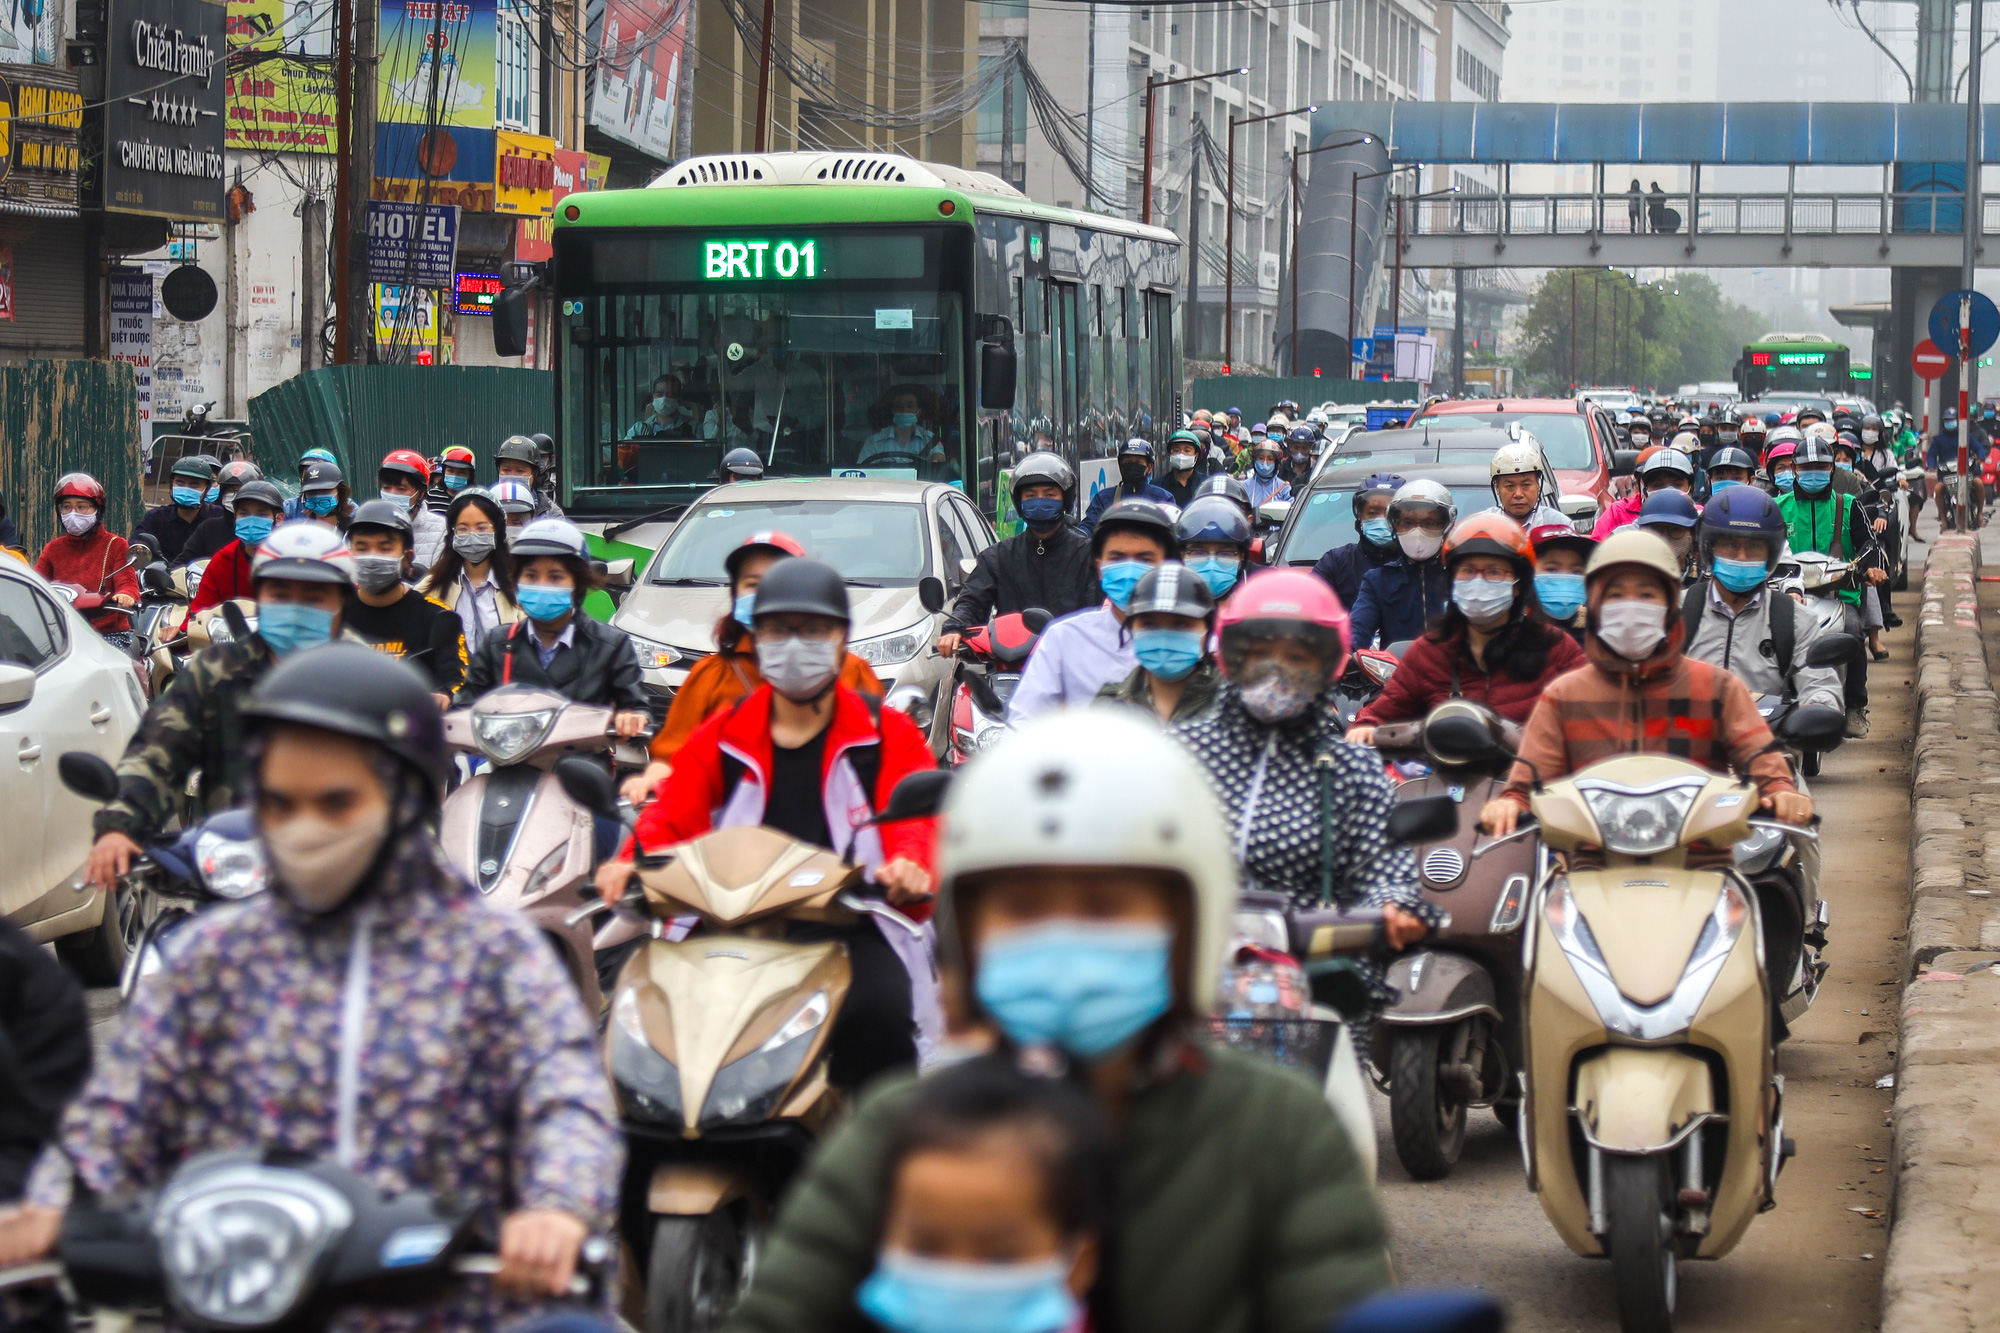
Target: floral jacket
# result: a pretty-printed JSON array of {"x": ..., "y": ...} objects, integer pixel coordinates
[{"x": 477, "y": 1070}]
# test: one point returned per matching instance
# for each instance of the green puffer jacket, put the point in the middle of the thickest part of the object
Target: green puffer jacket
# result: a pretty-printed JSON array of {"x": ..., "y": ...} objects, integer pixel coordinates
[{"x": 1241, "y": 1207}]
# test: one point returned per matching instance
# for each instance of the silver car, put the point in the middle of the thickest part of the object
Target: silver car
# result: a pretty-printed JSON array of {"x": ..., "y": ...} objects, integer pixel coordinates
[{"x": 887, "y": 538}]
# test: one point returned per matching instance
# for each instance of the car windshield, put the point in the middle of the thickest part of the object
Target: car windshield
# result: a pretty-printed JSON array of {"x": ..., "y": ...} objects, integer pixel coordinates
[
  {"x": 1358, "y": 453},
  {"x": 1326, "y": 521},
  {"x": 877, "y": 543},
  {"x": 1564, "y": 437}
]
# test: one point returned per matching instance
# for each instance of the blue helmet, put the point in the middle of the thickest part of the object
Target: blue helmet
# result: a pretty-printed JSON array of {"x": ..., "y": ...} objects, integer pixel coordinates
[
  {"x": 1742, "y": 511},
  {"x": 1213, "y": 518},
  {"x": 1668, "y": 508},
  {"x": 1136, "y": 448}
]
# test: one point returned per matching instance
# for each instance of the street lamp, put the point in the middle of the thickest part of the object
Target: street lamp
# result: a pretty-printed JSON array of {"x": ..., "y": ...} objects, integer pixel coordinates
[
  {"x": 1353, "y": 211},
  {"x": 1396, "y": 296},
  {"x": 1229, "y": 230},
  {"x": 1146, "y": 150},
  {"x": 1297, "y": 213}
]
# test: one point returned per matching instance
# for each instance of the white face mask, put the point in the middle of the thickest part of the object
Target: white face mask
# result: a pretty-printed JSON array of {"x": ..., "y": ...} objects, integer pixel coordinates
[
  {"x": 1181, "y": 462},
  {"x": 320, "y": 864},
  {"x": 799, "y": 669},
  {"x": 1483, "y": 601},
  {"x": 1633, "y": 630},
  {"x": 1419, "y": 544},
  {"x": 1870, "y": 436}
]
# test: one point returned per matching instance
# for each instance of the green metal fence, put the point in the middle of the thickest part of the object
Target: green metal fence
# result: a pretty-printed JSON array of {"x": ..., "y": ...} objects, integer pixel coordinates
[
  {"x": 68, "y": 416},
  {"x": 362, "y": 412},
  {"x": 1255, "y": 393}
]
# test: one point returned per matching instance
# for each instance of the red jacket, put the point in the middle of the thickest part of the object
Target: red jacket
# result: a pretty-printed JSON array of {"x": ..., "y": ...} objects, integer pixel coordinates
[
  {"x": 1423, "y": 681},
  {"x": 226, "y": 578},
  {"x": 95, "y": 563},
  {"x": 691, "y": 800}
]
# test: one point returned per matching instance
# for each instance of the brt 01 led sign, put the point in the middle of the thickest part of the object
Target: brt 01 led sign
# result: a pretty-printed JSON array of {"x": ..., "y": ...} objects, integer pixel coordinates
[
  {"x": 1802, "y": 358},
  {"x": 747, "y": 261}
]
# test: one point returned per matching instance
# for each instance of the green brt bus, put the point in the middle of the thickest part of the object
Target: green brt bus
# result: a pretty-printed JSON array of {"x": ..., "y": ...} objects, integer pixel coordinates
[
  {"x": 846, "y": 314},
  {"x": 1794, "y": 363}
]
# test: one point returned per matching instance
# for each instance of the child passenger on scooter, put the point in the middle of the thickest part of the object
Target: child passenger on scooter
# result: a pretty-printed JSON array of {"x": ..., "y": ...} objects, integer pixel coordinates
[
  {"x": 1640, "y": 694},
  {"x": 999, "y": 1182}
]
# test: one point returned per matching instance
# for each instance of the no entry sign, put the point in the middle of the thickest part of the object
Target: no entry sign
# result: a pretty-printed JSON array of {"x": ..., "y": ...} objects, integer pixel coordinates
[{"x": 1928, "y": 361}]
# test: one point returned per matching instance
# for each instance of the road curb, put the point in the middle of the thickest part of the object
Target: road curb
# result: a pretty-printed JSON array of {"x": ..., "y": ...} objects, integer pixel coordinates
[{"x": 1941, "y": 1274}]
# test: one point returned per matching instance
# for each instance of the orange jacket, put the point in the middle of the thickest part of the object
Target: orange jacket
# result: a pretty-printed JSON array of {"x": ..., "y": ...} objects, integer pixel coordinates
[{"x": 718, "y": 681}]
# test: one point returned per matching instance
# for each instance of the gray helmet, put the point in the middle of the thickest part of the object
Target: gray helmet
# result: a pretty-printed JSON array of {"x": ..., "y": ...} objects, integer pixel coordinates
[
  {"x": 742, "y": 463},
  {"x": 1213, "y": 518},
  {"x": 519, "y": 449},
  {"x": 801, "y": 586},
  {"x": 549, "y": 536},
  {"x": 262, "y": 492},
  {"x": 1137, "y": 516},
  {"x": 1172, "y": 589},
  {"x": 1424, "y": 491},
  {"x": 352, "y": 690},
  {"x": 1230, "y": 489},
  {"x": 393, "y": 515},
  {"x": 1046, "y": 468},
  {"x": 1673, "y": 460}
]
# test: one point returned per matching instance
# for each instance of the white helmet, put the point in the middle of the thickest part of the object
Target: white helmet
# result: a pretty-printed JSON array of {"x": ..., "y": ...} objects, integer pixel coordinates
[
  {"x": 305, "y": 550},
  {"x": 1686, "y": 442},
  {"x": 1511, "y": 460},
  {"x": 1822, "y": 431},
  {"x": 1424, "y": 491},
  {"x": 1094, "y": 787},
  {"x": 1671, "y": 459}
]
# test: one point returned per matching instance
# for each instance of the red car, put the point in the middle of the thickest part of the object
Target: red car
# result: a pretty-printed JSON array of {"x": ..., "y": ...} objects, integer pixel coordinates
[{"x": 1577, "y": 436}]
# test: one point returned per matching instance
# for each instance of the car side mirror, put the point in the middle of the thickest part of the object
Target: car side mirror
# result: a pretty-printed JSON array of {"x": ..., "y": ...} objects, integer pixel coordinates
[
  {"x": 1815, "y": 727},
  {"x": 996, "y": 376},
  {"x": 618, "y": 573},
  {"x": 88, "y": 775},
  {"x": 1624, "y": 462},
  {"x": 930, "y": 592},
  {"x": 510, "y": 322},
  {"x": 1831, "y": 650},
  {"x": 1036, "y": 619},
  {"x": 589, "y": 784},
  {"x": 1426, "y": 819}
]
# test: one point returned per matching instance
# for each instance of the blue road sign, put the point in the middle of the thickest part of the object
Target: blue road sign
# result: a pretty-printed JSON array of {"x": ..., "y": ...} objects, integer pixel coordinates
[{"x": 1944, "y": 323}]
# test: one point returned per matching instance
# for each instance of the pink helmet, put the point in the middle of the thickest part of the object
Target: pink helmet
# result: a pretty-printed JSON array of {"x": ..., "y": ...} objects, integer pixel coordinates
[
  {"x": 1290, "y": 603},
  {"x": 1782, "y": 449}
]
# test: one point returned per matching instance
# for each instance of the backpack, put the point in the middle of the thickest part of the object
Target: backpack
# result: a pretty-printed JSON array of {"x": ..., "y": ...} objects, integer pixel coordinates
[
  {"x": 867, "y": 759},
  {"x": 1784, "y": 626}
]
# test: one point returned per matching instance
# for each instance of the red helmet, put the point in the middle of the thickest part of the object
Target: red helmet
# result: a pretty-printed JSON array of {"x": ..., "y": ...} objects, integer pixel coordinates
[
  {"x": 1291, "y": 603},
  {"x": 1555, "y": 536},
  {"x": 783, "y": 543},
  {"x": 458, "y": 454},
  {"x": 408, "y": 461},
  {"x": 79, "y": 485}
]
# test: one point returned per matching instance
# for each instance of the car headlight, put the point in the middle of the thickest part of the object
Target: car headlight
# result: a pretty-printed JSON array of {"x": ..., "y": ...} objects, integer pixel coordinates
[
  {"x": 1640, "y": 823},
  {"x": 239, "y": 1243},
  {"x": 889, "y": 649},
  {"x": 507, "y": 737},
  {"x": 749, "y": 1088},
  {"x": 654, "y": 655},
  {"x": 648, "y": 1085},
  {"x": 230, "y": 868}
]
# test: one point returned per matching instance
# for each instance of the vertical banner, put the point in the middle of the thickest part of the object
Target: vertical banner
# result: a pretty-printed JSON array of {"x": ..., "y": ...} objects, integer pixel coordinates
[
  {"x": 132, "y": 340},
  {"x": 641, "y": 48},
  {"x": 435, "y": 99}
]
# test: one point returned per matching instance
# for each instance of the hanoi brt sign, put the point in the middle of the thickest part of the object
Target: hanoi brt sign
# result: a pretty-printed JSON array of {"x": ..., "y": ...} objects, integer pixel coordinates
[{"x": 164, "y": 108}]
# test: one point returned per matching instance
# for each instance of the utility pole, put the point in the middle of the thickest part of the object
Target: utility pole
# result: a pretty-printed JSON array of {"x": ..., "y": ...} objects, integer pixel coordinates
[
  {"x": 1973, "y": 223},
  {"x": 343, "y": 181},
  {"x": 1191, "y": 315},
  {"x": 764, "y": 75},
  {"x": 1007, "y": 111},
  {"x": 1572, "y": 330},
  {"x": 1458, "y": 332}
]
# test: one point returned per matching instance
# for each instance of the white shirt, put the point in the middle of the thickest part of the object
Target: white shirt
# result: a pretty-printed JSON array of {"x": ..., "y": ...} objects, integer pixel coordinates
[
  {"x": 1077, "y": 655},
  {"x": 478, "y": 609}
]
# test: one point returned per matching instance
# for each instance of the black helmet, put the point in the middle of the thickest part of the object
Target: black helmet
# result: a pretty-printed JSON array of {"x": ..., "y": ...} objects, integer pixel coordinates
[
  {"x": 1383, "y": 484},
  {"x": 1814, "y": 450},
  {"x": 801, "y": 586},
  {"x": 1136, "y": 516},
  {"x": 1213, "y": 518},
  {"x": 519, "y": 449},
  {"x": 389, "y": 515},
  {"x": 1731, "y": 456},
  {"x": 1230, "y": 489},
  {"x": 238, "y": 471},
  {"x": 546, "y": 444},
  {"x": 262, "y": 492},
  {"x": 1742, "y": 511},
  {"x": 742, "y": 463},
  {"x": 319, "y": 477},
  {"x": 352, "y": 690},
  {"x": 1172, "y": 589},
  {"x": 1047, "y": 468}
]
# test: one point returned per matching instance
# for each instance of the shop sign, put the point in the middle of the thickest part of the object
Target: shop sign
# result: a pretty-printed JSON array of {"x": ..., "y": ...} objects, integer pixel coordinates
[
  {"x": 280, "y": 85},
  {"x": 412, "y": 245},
  {"x": 575, "y": 173},
  {"x": 524, "y": 174},
  {"x": 165, "y": 108},
  {"x": 132, "y": 337},
  {"x": 473, "y": 293},
  {"x": 41, "y": 116}
]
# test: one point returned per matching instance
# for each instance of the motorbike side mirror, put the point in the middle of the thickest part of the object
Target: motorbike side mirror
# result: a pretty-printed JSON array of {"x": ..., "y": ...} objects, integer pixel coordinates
[
  {"x": 232, "y": 615},
  {"x": 589, "y": 784},
  {"x": 88, "y": 775},
  {"x": 1833, "y": 649},
  {"x": 1036, "y": 619},
  {"x": 1426, "y": 819},
  {"x": 1815, "y": 727},
  {"x": 1462, "y": 739},
  {"x": 918, "y": 796},
  {"x": 1423, "y": 1312},
  {"x": 157, "y": 578},
  {"x": 930, "y": 592},
  {"x": 1624, "y": 462}
]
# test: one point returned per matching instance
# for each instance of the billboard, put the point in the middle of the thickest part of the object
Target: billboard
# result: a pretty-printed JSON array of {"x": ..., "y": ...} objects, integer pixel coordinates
[
  {"x": 525, "y": 174},
  {"x": 534, "y": 237},
  {"x": 280, "y": 84},
  {"x": 434, "y": 103},
  {"x": 641, "y": 49},
  {"x": 164, "y": 108}
]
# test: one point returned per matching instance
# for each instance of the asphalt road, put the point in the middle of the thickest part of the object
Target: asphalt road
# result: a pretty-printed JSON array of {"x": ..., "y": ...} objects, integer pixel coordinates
[{"x": 1815, "y": 1262}]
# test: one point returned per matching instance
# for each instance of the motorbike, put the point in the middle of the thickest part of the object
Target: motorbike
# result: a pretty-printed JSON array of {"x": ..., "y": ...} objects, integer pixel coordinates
[
  {"x": 263, "y": 1241},
  {"x": 1367, "y": 671},
  {"x": 179, "y": 876},
  {"x": 512, "y": 829},
  {"x": 1652, "y": 1119},
  {"x": 990, "y": 661},
  {"x": 1452, "y": 1040},
  {"x": 718, "y": 1040}
]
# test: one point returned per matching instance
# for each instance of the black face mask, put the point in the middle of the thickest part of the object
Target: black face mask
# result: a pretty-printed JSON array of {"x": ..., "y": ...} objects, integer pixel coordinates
[{"x": 1133, "y": 472}]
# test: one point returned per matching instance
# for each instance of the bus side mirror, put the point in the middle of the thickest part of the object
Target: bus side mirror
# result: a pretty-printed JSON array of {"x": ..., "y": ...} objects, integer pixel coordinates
[
  {"x": 996, "y": 376},
  {"x": 510, "y": 322}
]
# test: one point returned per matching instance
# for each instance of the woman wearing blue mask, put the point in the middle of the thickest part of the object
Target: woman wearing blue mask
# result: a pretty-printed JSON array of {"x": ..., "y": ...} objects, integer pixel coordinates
[
  {"x": 1262, "y": 481},
  {"x": 1088, "y": 888},
  {"x": 1215, "y": 543},
  {"x": 1561, "y": 555},
  {"x": 1172, "y": 622}
]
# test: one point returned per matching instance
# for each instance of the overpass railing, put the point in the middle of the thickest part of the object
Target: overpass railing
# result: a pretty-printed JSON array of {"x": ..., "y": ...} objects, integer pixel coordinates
[{"x": 1776, "y": 214}]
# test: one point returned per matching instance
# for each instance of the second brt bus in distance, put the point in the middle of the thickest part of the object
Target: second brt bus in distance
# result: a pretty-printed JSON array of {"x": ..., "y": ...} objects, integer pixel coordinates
[
  {"x": 847, "y": 314},
  {"x": 1793, "y": 363}
]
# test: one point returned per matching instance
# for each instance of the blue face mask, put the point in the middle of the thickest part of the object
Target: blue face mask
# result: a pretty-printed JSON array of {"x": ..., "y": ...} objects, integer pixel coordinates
[
  {"x": 1119, "y": 579},
  {"x": 1264, "y": 468},
  {"x": 1087, "y": 987},
  {"x": 1220, "y": 575},
  {"x": 286, "y": 627},
  {"x": 1559, "y": 594},
  {"x": 909, "y": 1294},
  {"x": 454, "y": 482},
  {"x": 1720, "y": 484},
  {"x": 214, "y": 494},
  {"x": 1783, "y": 481},
  {"x": 1042, "y": 508},
  {"x": 251, "y": 531},
  {"x": 1844, "y": 465},
  {"x": 543, "y": 602},
  {"x": 1812, "y": 483},
  {"x": 903, "y": 420},
  {"x": 1169, "y": 654},
  {"x": 1740, "y": 575},
  {"x": 740, "y": 613},
  {"x": 321, "y": 504},
  {"x": 1377, "y": 531},
  {"x": 187, "y": 497}
]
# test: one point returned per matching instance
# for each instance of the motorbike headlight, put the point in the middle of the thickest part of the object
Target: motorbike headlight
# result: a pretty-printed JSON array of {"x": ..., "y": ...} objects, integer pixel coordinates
[
  {"x": 889, "y": 649},
  {"x": 1266, "y": 930},
  {"x": 231, "y": 868},
  {"x": 507, "y": 737},
  {"x": 544, "y": 871},
  {"x": 648, "y": 1085},
  {"x": 653, "y": 655},
  {"x": 749, "y": 1088},
  {"x": 1640, "y": 823},
  {"x": 1379, "y": 669},
  {"x": 239, "y": 1243}
]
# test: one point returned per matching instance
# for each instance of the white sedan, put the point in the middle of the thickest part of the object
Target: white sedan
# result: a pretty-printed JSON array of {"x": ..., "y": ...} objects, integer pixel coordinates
[{"x": 62, "y": 687}]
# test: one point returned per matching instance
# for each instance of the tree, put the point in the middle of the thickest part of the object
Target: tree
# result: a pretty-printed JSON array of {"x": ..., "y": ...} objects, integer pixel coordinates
[{"x": 1599, "y": 326}]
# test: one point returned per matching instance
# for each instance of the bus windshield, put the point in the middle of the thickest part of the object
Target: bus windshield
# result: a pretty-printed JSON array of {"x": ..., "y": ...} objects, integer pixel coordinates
[{"x": 835, "y": 352}]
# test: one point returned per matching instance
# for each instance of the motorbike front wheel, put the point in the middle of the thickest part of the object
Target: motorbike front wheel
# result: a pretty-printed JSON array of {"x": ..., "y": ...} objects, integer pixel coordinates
[
  {"x": 1426, "y": 1119},
  {"x": 1638, "y": 1211},
  {"x": 700, "y": 1268}
]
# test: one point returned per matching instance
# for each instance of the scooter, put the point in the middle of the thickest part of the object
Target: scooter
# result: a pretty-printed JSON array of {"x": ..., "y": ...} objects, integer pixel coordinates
[
  {"x": 718, "y": 1041},
  {"x": 1452, "y": 1040},
  {"x": 1367, "y": 671},
  {"x": 1652, "y": 1122},
  {"x": 515, "y": 833},
  {"x": 990, "y": 661}
]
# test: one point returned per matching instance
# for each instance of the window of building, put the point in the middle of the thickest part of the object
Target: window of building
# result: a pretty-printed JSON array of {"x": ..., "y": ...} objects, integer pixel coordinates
[
  {"x": 1483, "y": 80},
  {"x": 514, "y": 66}
]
